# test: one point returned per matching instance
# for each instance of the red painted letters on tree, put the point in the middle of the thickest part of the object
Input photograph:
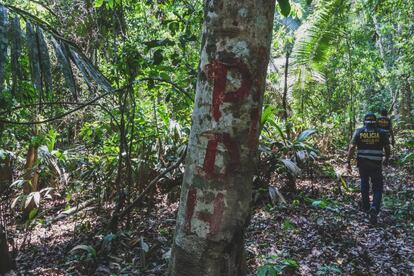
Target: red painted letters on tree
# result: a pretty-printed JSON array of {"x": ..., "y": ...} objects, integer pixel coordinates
[
  {"x": 213, "y": 220},
  {"x": 233, "y": 151},
  {"x": 217, "y": 72}
]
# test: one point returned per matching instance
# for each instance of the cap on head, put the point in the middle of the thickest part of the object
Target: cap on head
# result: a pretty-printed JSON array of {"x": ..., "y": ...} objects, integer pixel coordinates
[{"x": 370, "y": 119}]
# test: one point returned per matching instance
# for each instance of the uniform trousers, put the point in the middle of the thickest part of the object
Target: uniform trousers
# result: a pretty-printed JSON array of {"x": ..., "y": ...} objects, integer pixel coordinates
[{"x": 370, "y": 170}]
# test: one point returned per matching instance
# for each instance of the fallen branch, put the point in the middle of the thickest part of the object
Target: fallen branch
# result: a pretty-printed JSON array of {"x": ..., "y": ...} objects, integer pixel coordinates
[
  {"x": 150, "y": 186},
  {"x": 73, "y": 210}
]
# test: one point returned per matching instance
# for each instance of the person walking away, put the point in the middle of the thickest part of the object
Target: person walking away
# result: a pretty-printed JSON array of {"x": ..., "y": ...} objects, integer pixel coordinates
[
  {"x": 385, "y": 123},
  {"x": 370, "y": 142}
]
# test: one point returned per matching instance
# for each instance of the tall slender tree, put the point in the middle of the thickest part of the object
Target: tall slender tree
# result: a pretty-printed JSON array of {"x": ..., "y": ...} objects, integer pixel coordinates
[{"x": 216, "y": 190}]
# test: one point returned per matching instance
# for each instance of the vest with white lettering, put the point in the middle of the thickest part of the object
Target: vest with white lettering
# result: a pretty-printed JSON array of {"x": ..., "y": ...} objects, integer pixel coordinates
[{"x": 370, "y": 143}]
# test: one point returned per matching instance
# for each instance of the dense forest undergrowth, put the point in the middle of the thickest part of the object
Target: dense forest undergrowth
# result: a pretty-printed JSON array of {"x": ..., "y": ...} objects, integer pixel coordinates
[
  {"x": 321, "y": 230},
  {"x": 206, "y": 137}
]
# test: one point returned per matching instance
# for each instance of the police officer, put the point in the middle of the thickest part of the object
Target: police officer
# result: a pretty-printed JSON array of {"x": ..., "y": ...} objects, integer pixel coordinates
[
  {"x": 384, "y": 122},
  {"x": 370, "y": 142}
]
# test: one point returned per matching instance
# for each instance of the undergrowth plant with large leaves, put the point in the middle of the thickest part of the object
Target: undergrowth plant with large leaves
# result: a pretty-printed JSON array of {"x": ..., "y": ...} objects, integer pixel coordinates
[{"x": 290, "y": 154}]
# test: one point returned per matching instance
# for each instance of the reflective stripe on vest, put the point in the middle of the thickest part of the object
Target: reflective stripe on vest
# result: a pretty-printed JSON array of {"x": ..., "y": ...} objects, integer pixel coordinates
[
  {"x": 370, "y": 157},
  {"x": 371, "y": 152}
]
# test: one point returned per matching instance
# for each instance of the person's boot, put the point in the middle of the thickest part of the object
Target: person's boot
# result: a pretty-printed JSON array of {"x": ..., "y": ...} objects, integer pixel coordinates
[
  {"x": 364, "y": 209},
  {"x": 373, "y": 214}
]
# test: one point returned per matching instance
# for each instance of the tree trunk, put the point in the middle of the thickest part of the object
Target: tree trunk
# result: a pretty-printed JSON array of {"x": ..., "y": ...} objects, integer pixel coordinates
[
  {"x": 216, "y": 191},
  {"x": 6, "y": 262},
  {"x": 285, "y": 93},
  {"x": 285, "y": 88},
  {"x": 6, "y": 173},
  {"x": 31, "y": 178},
  {"x": 405, "y": 105}
]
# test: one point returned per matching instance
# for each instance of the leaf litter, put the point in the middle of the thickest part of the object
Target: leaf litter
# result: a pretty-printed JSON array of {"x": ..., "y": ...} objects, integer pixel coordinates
[{"x": 320, "y": 231}]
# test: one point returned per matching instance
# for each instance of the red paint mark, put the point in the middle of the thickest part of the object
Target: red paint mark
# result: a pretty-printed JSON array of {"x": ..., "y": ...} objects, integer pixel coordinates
[
  {"x": 190, "y": 206},
  {"x": 217, "y": 72},
  {"x": 210, "y": 157},
  {"x": 233, "y": 151},
  {"x": 214, "y": 219},
  {"x": 254, "y": 127}
]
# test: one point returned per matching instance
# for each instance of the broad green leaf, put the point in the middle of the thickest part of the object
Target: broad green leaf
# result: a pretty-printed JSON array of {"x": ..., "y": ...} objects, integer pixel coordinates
[
  {"x": 305, "y": 135},
  {"x": 89, "y": 249},
  {"x": 267, "y": 113},
  {"x": 284, "y": 7},
  {"x": 291, "y": 166},
  {"x": 33, "y": 213},
  {"x": 98, "y": 3}
]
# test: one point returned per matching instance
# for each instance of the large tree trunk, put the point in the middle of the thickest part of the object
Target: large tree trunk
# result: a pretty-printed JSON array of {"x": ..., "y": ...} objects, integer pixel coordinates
[{"x": 216, "y": 190}]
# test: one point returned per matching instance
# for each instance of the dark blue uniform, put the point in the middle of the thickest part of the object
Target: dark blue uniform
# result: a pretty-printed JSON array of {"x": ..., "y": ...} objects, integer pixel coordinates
[{"x": 370, "y": 142}]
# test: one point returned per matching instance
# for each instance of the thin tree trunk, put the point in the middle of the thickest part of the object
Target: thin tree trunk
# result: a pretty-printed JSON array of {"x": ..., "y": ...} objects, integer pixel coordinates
[
  {"x": 352, "y": 120},
  {"x": 405, "y": 105},
  {"x": 285, "y": 92},
  {"x": 216, "y": 191},
  {"x": 31, "y": 178},
  {"x": 285, "y": 88}
]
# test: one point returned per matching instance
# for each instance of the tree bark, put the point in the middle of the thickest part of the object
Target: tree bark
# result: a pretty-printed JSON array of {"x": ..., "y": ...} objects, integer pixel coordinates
[
  {"x": 216, "y": 191},
  {"x": 31, "y": 178},
  {"x": 405, "y": 105},
  {"x": 285, "y": 88},
  {"x": 6, "y": 262}
]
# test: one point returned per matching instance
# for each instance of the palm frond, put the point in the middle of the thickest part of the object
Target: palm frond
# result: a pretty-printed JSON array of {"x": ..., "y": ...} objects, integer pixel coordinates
[
  {"x": 16, "y": 51},
  {"x": 39, "y": 35},
  {"x": 33, "y": 47},
  {"x": 44, "y": 61},
  {"x": 65, "y": 67},
  {"x": 316, "y": 38}
]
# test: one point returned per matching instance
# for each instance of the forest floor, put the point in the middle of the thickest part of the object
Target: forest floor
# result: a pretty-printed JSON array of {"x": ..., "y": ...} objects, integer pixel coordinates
[{"x": 321, "y": 231}]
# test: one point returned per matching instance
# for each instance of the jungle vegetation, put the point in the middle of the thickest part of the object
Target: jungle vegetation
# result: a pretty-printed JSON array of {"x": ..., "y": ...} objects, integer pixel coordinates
[{"x": 96, "y": 103}]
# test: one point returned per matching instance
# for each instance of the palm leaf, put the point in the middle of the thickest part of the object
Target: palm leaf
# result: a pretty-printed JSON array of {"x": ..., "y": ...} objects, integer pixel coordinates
[
  {"x": 89, "y": 72},
  {"x": 45, "y": 67},
  {"x": 65, "y": 67},
  {"x": 33, "y": 47},
  {"x": 39, "y": 57},
  {"x": 316, "y": 38}
]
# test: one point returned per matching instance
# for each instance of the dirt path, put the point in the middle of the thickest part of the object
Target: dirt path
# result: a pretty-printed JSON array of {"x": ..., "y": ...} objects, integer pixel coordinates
[{"x": 328, "y": 233}]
